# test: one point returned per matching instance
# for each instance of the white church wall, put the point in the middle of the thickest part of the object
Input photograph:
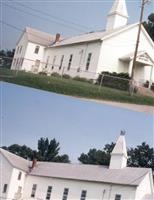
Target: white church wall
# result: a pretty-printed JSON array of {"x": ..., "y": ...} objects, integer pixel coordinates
[
  {"x": 145, "y": 187},
  {"x": 20, "y": 50},
  {"x": 31, "y": 56},
  {"x": 80, "y": 54},
  {"x": 95, "y": 191},
  {"x": 121, "y": 45},
  {"x": 15, "y": 184},
  {"x": 5, "y": 173}
]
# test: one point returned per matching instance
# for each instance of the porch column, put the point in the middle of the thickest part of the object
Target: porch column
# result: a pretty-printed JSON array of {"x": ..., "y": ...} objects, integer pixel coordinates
[{"x": 130, "y": 68}]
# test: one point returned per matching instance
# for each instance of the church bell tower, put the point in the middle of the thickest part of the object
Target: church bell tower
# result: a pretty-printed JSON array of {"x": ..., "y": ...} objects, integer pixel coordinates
[
  {"x": 117, "y": 16},
  {"x": 119, "y": 154}
]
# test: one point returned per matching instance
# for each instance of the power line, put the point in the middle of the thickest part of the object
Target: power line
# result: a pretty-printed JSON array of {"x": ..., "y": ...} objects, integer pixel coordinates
[
  {"x": 43, "y": 18},
  {"x": 21, "y": 30},
  {"x": 57, "y": 18}
]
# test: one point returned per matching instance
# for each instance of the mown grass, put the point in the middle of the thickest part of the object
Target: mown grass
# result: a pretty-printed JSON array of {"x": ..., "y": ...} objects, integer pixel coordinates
[{"x": 72, "y": 87}]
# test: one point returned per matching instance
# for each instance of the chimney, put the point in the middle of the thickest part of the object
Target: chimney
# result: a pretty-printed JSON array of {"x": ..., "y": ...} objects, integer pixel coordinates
[
  {"x": 57, "y": 38},
  {"x": 34, "y": 161}
]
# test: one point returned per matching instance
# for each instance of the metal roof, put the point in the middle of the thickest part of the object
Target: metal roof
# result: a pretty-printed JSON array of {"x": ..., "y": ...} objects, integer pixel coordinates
[
  {"x": 94, "y": 173},
  {"x": 91, "y": 36},
  {"x": 16, "y": 161},
  {"x": 39, "y": 37}
]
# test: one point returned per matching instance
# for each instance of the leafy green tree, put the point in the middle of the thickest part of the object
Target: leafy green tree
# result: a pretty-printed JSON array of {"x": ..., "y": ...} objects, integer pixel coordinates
[
  {"x": 47, "y": 151},
  {"x": 149, "y": 25},
  {"x": 22, "y": 151},
  {"x": 97, "y": 157},
  {"x": 141, "y": 156},
  {"x": 6, "y": 57}
]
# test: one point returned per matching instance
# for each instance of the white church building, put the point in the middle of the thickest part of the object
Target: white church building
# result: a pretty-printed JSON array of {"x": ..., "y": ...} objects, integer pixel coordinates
[
  {"x": 87, "y": 55},
  {"x": 32, "y": 180}
]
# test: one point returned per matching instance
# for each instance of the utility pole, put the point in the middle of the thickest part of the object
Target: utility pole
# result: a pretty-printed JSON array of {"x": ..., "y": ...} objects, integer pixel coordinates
[{"x": 131, "y": 87}]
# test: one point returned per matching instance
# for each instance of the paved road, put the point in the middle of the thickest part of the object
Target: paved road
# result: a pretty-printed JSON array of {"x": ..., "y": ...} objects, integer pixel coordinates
[{"x": 128, "y": 106}]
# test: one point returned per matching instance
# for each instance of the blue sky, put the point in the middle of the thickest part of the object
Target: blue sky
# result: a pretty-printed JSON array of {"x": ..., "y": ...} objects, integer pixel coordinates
[
  {"x": 91, "y": 14},
  {"x": 28, "y": 114}
]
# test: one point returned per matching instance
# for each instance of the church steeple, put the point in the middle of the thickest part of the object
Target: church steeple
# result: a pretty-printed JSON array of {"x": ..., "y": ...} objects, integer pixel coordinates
[
  {"x": 117, "y": 16},
  {"x": 119, "y": 154}
]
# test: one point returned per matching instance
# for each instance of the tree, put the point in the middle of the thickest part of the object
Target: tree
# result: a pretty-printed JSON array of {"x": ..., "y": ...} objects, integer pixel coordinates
[
  {"x": 141, "y": 156},
  {"x": 47, "y": 151},
  {"x": 22, "y": 151},
  {"x": 6, "y": 57},
  {"x": 97, "y": 157},
  {"x": 149, "y": 25}
]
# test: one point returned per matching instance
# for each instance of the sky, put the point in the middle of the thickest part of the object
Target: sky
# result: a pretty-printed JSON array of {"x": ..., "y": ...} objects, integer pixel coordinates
[
  {"x": 28, "y": 114},
  {"x": 65, "y": 17}
]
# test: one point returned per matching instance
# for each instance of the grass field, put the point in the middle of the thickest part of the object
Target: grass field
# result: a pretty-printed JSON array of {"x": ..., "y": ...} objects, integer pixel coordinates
[{"x": 72, "y": 87}]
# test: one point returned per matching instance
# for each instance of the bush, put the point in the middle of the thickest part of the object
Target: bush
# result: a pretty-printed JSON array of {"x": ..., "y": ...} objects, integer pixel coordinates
[
  {"x": 66, "y": 76},
  {"x": 146, "y": 84},
  {"x": 110, "y": 80},
  {"x": 77, "y": 78},
  {"x": 152, "y": 87},
  {"x": 43, "y": 73},
  {"x": 55, "y": 74}
]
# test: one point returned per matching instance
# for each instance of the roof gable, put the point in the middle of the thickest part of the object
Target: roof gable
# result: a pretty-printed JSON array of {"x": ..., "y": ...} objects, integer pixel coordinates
[{"x": 16, "y": 161}]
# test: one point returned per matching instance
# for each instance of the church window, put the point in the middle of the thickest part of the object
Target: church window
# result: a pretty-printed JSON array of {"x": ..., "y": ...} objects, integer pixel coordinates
[
  {"x": 36, "y": 49},
  {"x": 83, "y": 195},
  {"x": 70, "y": 61},
  {"x": 19, "y": 175},
  {"x": 49, "y": 190},
  {"x": 5, "y": 188},
  {"x": 61, "y": 62},
  {"x": 117, "y": 197},
  {"x": 88, "y": 61},
  {"x": 65, "y": 194},
  {"x": 33, "y": 190},
  {"x": 14, "y": 62},
  {"x": 53, "y": 62},
  {"x": 20, "y": 49},
  {"x": 47, "y": 62}
]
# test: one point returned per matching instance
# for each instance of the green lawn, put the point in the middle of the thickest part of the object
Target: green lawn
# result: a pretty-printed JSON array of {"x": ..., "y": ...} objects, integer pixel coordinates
[{"x": 72, "y": 87}]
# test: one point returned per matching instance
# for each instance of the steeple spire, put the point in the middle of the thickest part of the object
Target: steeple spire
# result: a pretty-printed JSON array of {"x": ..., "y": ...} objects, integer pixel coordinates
[
  {"x": 117, "y": 16},
  {"x": 119, "y": 154}
]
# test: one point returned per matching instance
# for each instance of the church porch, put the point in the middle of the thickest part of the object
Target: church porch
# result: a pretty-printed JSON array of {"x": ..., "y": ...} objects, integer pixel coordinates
[{"x": 143, "y": 69}]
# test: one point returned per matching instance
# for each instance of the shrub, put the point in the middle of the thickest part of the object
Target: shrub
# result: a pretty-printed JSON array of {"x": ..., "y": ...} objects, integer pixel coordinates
[
  {"x": 43, "y": 73},
  {"x": 146, "y": 84},
  {"x": 110, "y": 80},
  {"x": 66, "y": 76},
  {"x": 77, "y": 78},
  {"x": 55, "y": 74},
  {"x": 152, "y": 87}
]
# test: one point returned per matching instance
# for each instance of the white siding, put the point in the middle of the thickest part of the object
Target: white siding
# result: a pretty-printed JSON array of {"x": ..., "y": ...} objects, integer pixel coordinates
[
  {"x": 94, "y": 190},
  {"x": 5, "y": 174},
  {"x": 121, "y": 45},
  {"x": 145, "y": 187},
  {"x": 20, "y": 55},
  {"x": 77, "y": 61}
]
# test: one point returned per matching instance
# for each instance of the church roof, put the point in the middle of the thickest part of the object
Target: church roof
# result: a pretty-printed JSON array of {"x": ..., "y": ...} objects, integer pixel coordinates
[
  {"x": 119, "y": 7},
  {"x": 39, "y": 37},
  {"x": 15, "y": 161},
  {"x": 92, "y": 36},
  {"x": 94, "y": 173}
]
